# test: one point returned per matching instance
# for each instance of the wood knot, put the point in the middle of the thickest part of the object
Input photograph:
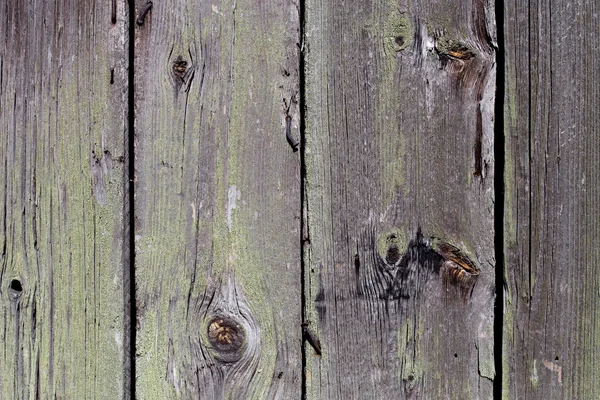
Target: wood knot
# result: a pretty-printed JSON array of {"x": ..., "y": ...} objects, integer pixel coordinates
[
  {"x": 180, "y": 67},
  {"x": 390, "y": 246},
  {"x": 400, "y": 41},
  {"x": 457, "y": 268},
  {"x": 453, "y": 49},
  {"x": 398, "y": 32},
  {"x": 227, "y": 337},
  {"x": 393, "y": 254},
  {"x": 15, "y": 289}
]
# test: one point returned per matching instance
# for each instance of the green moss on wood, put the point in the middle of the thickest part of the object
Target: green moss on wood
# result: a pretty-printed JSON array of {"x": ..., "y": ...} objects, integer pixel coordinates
[
  {"x": 398, "y": 33},
  {"x": 409, "y": 351}
]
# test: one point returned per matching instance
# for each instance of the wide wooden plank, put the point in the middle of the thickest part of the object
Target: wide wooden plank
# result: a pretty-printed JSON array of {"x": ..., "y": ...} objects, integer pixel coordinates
[
  {"x": 217, "y": 201},
  {"x": 63, "y": 177},
  {"x": 552, "y": 326},
  {"x": 400, "y": 177}
]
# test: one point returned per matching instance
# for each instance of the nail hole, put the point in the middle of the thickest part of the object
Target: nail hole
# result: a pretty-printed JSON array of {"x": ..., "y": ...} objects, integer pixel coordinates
[
  {"x": 455, "y": 355},
  {"x": 556, "y": 358}
]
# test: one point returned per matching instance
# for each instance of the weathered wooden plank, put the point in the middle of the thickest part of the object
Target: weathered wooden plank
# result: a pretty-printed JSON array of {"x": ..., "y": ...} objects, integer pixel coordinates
[
  {"x": 217, "y": 201},
  {"x": 63, "y": 141},
  {"x": 552, "y": 327},
  {"x": 400, "y": 172}
]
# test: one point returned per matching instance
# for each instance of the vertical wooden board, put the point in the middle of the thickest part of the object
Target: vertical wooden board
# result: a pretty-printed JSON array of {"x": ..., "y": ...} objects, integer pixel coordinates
[
  {"x": 400, "y": 177},
  {"x": 217, "y": 201},
  {"x": 63, "y": 141},
  {"x": 552, "y": 326}
]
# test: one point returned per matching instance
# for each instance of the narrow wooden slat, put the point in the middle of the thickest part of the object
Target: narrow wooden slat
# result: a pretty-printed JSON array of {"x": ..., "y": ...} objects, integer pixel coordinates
[
  {"x": 552, "y": 325},
  {"x": 217, "y": 201},
  {"x": 63, "y": 141},
  {"x": 400, "y": 177}
]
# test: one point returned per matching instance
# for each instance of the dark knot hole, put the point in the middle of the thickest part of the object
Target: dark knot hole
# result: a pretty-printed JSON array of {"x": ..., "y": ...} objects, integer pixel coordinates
[{"x": 16, "y": 286}]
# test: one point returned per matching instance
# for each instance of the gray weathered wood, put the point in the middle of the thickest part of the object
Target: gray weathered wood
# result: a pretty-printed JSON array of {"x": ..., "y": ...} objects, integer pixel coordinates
[
  {"x": 552, "y": 330},
  {"x": 399, "y": 141},
  {"x": 217, "y": 201},
  {"x": 63, "y": 264}
]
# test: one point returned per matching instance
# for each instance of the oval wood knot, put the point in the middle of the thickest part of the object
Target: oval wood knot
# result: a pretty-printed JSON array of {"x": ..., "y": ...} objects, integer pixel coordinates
[
  {"x": 180, "y": 67},
  {"x": 227, "y": 337},
  {"x": 390, "y": 247},
  {"x": 457, "y": 267}
]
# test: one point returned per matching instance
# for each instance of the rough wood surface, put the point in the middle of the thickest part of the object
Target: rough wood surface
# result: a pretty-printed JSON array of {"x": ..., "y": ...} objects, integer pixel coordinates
[
  {"x": 552, "y": 325},
  {"x": 217, "y": 201},
  {"x": 63, "y": 109},
  {"x": 399, "y": 161}
]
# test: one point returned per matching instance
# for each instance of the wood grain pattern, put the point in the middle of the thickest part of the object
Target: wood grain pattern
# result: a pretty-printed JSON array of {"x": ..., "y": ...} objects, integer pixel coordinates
[
  {"x": 400, "y": 177},
  {"x": 552, "y": 328},
  {"x": 63, "y": 141},
  {"x": 217, "y": 201}
]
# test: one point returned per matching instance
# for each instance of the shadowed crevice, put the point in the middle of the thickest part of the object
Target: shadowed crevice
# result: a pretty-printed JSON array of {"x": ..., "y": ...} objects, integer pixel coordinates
[
  {"x": 129, "y": 220},
  {"x": 304, "y": 239},
  {"x": 499, "y": 142}
]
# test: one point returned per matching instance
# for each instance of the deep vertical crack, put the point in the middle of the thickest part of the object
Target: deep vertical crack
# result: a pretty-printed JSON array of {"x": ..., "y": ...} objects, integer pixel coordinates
[
  {"x": 129, "y": 218},
  {"x": 303, "y": 207},
  {"x": 499, "y": 154}
]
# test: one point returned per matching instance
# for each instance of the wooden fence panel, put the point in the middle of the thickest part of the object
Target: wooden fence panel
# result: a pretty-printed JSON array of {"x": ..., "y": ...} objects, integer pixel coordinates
[
  {"x": 552, "y": 326},
  {"x": 217, "y": 201},
  {"x": 398, "y": 246},
  {"x": 63, "y": 178},
  {"x": 400, "y": 198}
]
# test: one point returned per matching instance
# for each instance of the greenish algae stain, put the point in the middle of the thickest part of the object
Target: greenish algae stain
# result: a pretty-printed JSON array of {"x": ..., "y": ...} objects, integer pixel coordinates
[
  {"x": 398, "y": 33},
  {"x": 86, "y": 264},
  {"x": 85, "y": 250},
  {"x": 235, "y": 228},
  {"x": 485, "y": 354},
  {"x": 409, "y": 351},
  {"x": 250, "y": 269},
  {"x": 507, "y": 337},
  {"x": 161, "y": 249},
  {"x": 511, "y": 94}
]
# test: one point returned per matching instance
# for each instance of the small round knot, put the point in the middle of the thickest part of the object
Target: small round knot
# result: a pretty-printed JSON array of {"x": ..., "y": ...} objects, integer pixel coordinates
[
  {"x": 179, "y": 67},
  {"x": 227, "y": 337}
]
